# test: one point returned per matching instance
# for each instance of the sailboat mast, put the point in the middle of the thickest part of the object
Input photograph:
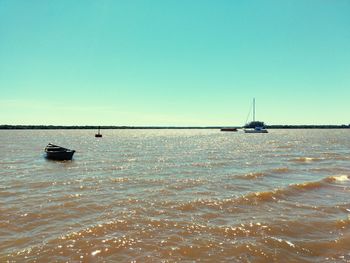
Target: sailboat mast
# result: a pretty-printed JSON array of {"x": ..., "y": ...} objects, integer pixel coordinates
[{"x": 254, "y": 109}]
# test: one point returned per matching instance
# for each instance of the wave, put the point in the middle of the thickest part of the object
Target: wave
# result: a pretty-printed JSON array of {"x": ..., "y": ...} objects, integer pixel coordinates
[
  {"x": 338, "y": 178},
  {"x": 255, "y": 198},
  {"x": 83, "y": 240},
  {"x": 252, "y": 175},
  {"x": 210, "y": 164},
  {"x": 306, "y": 186},
  {"x": 132, "y": 234},
  {"x": 288, "y": 146},
  {"x": 306, "y": 159},
  {"x": 256, "y": 175},
  {"x": 330, "y": 170},
  {"x": 335, "y": 156},
  {"x": 294, "y": 189},
  {"x": 281, "y": 170},
  {"x": 119, "y": 179}
]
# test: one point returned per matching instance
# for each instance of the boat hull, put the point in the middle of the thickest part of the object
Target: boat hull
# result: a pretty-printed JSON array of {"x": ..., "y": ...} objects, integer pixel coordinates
[
  {"x": 55, "y": 152},
  {"x": 255, "y": 131},
  {"x": 68, "y": 155},
  {"x": 229, "y": 129}
]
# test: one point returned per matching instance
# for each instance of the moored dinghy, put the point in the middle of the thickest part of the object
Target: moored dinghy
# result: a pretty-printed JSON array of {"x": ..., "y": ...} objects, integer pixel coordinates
[
  {"x": 56, "y": 152},
  {"x": 229, "y": 129}
]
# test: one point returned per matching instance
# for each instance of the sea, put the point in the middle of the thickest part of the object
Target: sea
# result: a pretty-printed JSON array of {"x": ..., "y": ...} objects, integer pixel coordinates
[{"x": 176, "y": 195}]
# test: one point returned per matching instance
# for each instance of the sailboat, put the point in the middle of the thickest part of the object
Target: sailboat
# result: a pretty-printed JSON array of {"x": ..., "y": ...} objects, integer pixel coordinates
[
  {"x": 255, "y": 126},
  {"x": 98, "y": 135}
]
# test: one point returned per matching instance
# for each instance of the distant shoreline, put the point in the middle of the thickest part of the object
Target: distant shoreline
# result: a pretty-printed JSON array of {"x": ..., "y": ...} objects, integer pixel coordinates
[{"x": 90, "y": 127}]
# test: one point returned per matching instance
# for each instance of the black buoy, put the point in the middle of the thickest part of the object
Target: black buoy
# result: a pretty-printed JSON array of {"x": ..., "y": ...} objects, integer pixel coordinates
[{"x": 98, "y": 135}]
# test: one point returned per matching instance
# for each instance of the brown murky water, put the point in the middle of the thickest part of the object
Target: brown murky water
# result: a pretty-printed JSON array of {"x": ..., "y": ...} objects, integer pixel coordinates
[{"x": 176, "y": 195}]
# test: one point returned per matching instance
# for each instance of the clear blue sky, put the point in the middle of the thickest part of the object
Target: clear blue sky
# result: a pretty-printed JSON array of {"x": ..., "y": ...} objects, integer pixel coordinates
[{"x": 174, "y": 62}]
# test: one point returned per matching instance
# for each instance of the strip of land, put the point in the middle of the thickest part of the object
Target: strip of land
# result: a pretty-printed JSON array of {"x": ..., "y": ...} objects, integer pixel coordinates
[{"x": 89, "y": 127}]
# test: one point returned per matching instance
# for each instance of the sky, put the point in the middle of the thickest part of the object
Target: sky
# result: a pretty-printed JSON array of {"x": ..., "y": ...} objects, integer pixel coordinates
[{"x": 174, "y": 62}]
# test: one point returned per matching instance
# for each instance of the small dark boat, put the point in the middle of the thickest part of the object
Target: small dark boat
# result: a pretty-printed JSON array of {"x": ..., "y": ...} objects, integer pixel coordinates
[
  {"x": 55, "y": 152},
  {"x": 98, "y": 135},
  {"x": 229, "y": 129}
]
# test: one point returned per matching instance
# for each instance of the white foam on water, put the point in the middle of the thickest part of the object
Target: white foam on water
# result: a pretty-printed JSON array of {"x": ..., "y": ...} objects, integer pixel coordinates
[
  {"x": 282, "y": 240},
  {"x": 95, "y": 252},
  {"x": 341, "y": 178}
]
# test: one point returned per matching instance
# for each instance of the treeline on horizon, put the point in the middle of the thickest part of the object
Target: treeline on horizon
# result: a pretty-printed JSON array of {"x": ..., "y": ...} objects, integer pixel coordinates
[{"x": 89, "y": 127}]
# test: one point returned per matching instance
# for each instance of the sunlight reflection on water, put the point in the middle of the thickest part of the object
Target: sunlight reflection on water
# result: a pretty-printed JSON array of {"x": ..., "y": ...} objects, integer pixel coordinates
[{"x": 153, "y": 195}]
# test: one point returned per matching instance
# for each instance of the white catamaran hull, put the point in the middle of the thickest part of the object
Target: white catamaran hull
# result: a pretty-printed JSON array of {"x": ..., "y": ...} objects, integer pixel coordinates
[{"x": 255, "y": 131}]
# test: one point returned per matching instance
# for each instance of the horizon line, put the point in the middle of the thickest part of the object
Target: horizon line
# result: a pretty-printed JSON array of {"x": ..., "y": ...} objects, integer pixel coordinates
[{"x": 274, "y": 126}]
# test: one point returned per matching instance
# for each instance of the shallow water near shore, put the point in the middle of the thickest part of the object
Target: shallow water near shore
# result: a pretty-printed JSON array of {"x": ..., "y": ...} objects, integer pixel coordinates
[{"x": 176, "y": 195}]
